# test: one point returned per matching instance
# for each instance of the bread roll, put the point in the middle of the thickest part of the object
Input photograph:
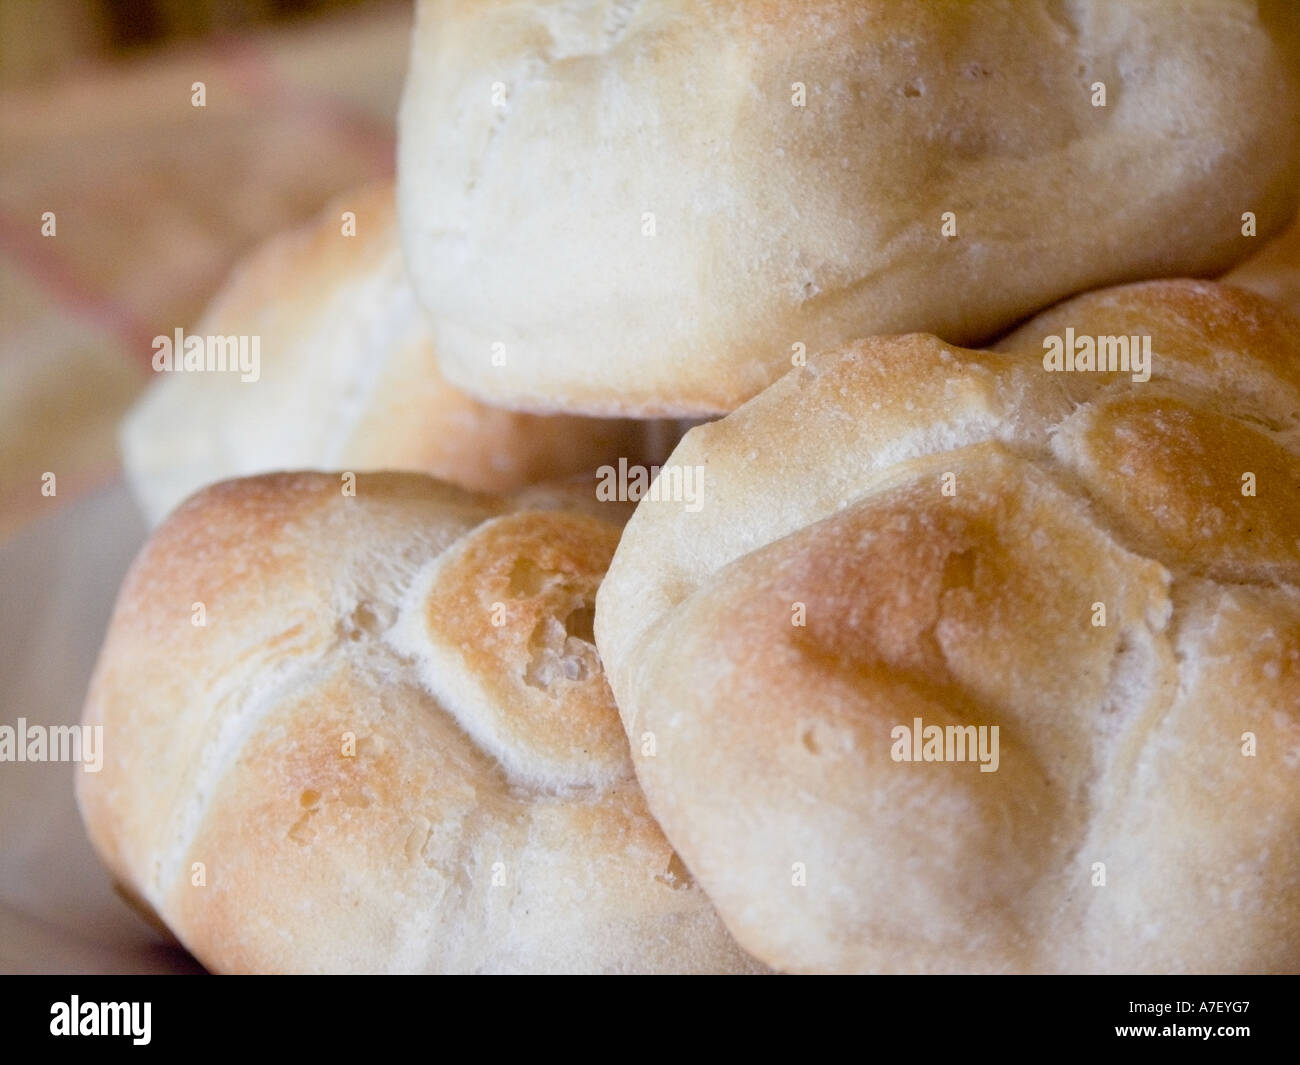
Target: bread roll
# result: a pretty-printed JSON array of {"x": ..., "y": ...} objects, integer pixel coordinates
[
  {"x": 1275, "y": 270},
  {"x": 1105, "y": 570},
  {"x": 654, "y": 208},
  {"x": 346, "y": 379},
  {"x": 350, "y": 766}
]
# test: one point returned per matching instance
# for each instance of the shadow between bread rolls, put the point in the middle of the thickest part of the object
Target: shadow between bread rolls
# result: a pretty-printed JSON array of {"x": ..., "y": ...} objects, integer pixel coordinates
[
  {"x": 370, "y": 732},
  {"x": 1105, "y": 569}
]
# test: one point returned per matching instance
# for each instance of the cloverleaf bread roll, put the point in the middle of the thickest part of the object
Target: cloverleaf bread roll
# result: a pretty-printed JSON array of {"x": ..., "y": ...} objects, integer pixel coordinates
[
  {"x": 938, "y": 543},
  {"x": 655, "y": 208},
  {"x": 371, "y": 733},
  {"x": 345, "y": 379}
]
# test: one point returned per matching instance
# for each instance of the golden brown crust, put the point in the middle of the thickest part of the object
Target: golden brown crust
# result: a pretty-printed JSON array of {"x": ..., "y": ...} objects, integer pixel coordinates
[
  {"x": 349, "y": 767},
  {"x": 511, "y": 607},
  {"x": 944, "y": 525},
  {"x": 650, "y": 206}
]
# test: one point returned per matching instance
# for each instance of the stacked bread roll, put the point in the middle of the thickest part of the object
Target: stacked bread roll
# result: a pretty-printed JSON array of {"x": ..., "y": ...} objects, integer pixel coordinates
[{"x": 956, "y": 643}]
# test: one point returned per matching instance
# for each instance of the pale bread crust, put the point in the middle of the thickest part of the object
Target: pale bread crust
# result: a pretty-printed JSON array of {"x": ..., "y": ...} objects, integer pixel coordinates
[
  {"x": 348, "y": 381},
  {"x": 489, "y": 819},
  {"x": 1119, "y": 744},
  {"x": 523, "y": 213}
]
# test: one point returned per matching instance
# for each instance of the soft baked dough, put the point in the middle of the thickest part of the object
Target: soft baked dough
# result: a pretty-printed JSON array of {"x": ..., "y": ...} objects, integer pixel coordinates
[
  {"x": 628, "y": 206},
  {"x": 351, "y": 767},
  {"x": 1123, "y": 746}
]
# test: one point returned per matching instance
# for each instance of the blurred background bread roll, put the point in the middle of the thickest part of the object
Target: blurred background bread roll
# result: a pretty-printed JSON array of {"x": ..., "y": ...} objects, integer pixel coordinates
[
  {"x": 347, "y": 379},
  {"x": 654, "y": 209}
]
